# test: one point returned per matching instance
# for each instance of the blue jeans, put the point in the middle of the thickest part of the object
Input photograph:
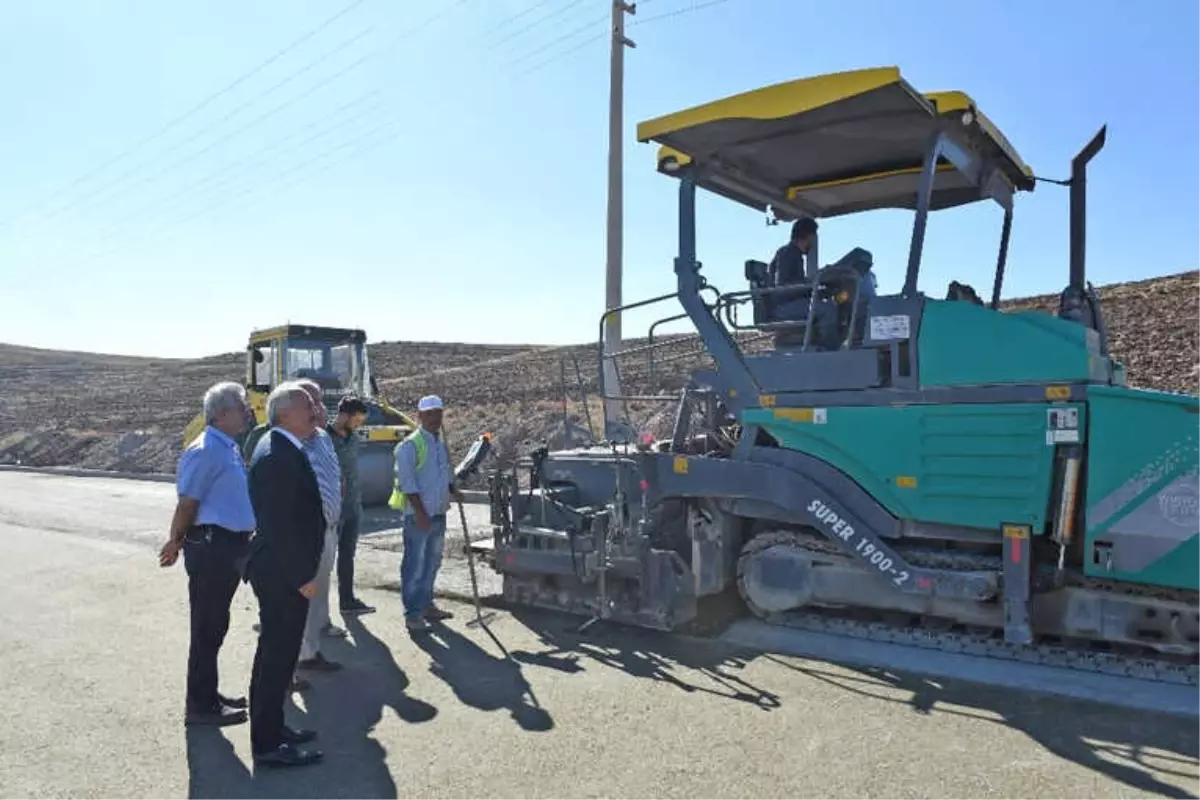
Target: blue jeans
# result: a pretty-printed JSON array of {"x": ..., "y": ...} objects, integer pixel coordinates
[{"x": 420, "y": 563}]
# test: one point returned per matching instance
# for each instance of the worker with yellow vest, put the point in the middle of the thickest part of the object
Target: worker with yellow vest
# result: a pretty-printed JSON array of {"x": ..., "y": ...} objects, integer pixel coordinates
[{"x": 423, "y": 489}]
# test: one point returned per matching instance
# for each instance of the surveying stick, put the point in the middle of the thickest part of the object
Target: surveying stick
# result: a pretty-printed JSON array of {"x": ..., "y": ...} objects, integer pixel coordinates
[
  {"x": 479, "y": 618},
  {"x": 475, "y": 456}
]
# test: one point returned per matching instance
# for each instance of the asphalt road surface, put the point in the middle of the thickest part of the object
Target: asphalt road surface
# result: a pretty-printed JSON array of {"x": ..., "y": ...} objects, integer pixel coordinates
[{"x": 94, "y": 644}]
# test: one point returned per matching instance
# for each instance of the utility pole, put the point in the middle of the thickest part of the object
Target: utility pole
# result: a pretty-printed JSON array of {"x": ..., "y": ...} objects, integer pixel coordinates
[{"x": 616, "y": 125}]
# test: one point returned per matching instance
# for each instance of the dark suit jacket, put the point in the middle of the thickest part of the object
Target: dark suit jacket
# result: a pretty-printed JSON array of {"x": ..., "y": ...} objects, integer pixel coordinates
[{"x": 287, "y": 508}]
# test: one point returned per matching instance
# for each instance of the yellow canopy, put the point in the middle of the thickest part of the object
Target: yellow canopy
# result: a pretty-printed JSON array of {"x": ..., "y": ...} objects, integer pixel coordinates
[{"x": 832, "y": 144}]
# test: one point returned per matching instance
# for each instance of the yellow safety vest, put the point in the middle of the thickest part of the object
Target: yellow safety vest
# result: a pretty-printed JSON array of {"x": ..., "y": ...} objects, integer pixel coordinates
[{"x": 399, "y": 500}]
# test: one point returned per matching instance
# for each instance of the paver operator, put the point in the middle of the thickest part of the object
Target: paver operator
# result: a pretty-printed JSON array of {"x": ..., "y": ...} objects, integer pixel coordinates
[{"x": 423, "y": 490}]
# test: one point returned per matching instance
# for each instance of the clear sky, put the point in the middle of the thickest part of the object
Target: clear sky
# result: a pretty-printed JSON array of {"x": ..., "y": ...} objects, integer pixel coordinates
[{"x": 445, "y": 180}]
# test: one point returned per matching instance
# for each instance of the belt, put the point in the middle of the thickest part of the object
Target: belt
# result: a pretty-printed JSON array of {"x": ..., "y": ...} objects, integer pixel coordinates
[{"x": 208, "y": 531}]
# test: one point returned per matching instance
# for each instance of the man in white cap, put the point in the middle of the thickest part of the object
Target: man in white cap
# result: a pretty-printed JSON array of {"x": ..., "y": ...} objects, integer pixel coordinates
[{"x": 423, "y": 490}]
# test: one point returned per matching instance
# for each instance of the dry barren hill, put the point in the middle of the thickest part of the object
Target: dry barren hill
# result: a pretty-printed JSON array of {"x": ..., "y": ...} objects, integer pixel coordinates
[{"x": 126, "y": 413}]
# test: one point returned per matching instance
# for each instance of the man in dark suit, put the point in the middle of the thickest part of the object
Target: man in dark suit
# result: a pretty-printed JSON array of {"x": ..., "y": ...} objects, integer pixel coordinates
[{"x": 284, "y": 556}]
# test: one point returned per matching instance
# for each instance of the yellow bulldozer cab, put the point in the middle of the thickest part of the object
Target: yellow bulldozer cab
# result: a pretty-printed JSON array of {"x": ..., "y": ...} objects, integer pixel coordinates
[{"x": 336, "y": 358}]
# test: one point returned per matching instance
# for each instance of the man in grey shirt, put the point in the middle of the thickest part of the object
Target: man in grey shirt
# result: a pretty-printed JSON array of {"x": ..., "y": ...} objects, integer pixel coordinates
[{"x": 321, "y": 454}]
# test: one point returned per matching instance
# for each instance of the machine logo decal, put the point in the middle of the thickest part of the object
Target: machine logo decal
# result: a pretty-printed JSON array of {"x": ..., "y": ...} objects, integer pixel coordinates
[
  {"x": 862, "y": 546},
  {"x": 1180, "y": 505}
]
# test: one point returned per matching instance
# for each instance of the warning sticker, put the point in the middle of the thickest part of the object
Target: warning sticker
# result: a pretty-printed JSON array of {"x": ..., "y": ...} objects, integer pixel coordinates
[
  {"x": 1062, "y": 426},
  {"x": 893, "y": 326}
]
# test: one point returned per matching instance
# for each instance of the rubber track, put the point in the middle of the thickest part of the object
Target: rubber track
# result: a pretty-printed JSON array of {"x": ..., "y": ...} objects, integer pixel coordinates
[{"x": 988, "y": 645}]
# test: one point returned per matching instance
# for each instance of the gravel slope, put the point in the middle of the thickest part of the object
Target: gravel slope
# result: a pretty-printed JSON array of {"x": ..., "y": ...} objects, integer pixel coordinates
[{"x": 126, "y": 413}]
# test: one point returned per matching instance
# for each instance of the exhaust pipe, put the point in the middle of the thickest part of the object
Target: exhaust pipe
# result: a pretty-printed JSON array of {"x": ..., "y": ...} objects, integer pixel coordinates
[
  {"x": 1079, "y": 208},
  {"x": 1079, "y": 302}
]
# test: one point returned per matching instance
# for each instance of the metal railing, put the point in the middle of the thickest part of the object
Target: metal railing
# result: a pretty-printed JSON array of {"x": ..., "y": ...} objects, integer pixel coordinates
[{"x": 734, "y": 299}]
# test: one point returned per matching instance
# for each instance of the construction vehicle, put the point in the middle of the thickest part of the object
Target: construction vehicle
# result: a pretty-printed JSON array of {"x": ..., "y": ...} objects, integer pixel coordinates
[
  {"x": 935, "y": 472},
  {"x": 336, "y": 358}
]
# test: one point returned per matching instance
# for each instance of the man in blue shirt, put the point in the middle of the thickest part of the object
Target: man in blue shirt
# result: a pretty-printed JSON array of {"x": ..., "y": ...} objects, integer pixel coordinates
[
  {"x": 212, "y": 526},
  {"x": 428, "y": 489}
]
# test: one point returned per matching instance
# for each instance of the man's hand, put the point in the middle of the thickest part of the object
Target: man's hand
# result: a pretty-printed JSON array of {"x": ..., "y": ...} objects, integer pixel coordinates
[
  {"x": 309, "y": 590},
  {"x": 422, "y": 519},
  {"x": 169, "y": 553}
]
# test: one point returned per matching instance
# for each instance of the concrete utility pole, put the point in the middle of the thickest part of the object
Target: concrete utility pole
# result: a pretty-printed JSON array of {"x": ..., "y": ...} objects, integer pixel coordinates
[{"x": 616, "y": 125}]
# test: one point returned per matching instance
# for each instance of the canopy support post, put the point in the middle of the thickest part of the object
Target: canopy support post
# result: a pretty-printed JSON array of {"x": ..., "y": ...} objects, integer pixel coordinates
[
  {"x": 924, "y": 194},
  {"x": 739, "y": 385}
]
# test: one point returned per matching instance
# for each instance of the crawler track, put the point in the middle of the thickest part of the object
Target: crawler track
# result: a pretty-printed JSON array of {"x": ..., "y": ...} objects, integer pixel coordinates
[{"x": 948, "y": 637}]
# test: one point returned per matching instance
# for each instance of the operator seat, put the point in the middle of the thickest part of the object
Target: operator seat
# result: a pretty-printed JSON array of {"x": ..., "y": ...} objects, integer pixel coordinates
[
  {"x": 325, "y": 379},
  {"x": 837, "y": 285},
  {"x": 962, "y": 291}
]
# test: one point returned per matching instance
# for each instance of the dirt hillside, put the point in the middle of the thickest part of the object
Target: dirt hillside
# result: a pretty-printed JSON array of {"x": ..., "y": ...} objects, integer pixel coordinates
[{"x": 127, "y": 413}]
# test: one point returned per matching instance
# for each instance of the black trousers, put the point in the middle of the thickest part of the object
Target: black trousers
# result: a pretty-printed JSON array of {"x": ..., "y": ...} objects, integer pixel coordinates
[
  {"x": 211, "y": 557},
  {"x": 282, "y": 611}
]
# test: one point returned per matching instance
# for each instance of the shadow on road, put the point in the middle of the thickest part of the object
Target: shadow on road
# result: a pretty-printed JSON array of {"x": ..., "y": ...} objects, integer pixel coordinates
[
  {"x": 642, "y": 654},
  {"x": 1127, "y": 745},
  {"x": 344, "y": 708},
  {"x": 482, "y": 680},
  {"x": 214, "y": 768}
]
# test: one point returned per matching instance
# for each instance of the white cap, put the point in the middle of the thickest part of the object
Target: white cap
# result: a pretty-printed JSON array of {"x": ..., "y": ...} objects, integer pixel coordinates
[{"x": 429, "y": 402}]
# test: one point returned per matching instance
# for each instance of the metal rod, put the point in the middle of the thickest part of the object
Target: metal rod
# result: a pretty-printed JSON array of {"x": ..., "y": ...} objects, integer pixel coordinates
[
  {"x": 650, "y": 340},
  {"x": 602, "y": 356},
  {"x": 643, "y": 398},
  {"x": 1001, "y": 259},
  {"x": 858, "y": 282},
  {"x": 587, "y": 412},
  {"x": 480, "y": 619}
]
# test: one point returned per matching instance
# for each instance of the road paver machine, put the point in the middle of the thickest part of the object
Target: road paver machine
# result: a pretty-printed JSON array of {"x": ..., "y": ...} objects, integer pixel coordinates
[{"x": 902, "y": 467}]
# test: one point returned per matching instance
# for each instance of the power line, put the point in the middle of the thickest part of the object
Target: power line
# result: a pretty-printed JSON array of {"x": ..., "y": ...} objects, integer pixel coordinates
[
  {"x": 513, "y": 18},
  {"x": 677, "y": 12},
  {"x": 550, "y": 45},
  {"x": 288, "y": 79},
  {"x": 197, "y": 108},
  {"x": 537, "y": 22},
  {"x": 406, "y": 34},
  {"x": 258, "y": 186},
  {"x": 189, "y": 192},
  {"x": 344, "y": 71},
  {"x": 547, "y": 61},
  {"x": 597, "y": 37},
  {"x": 311, "y": 90}
]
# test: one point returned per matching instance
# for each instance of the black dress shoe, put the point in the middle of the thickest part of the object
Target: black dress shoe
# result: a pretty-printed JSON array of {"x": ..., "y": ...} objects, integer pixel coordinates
[
  {"x": 233, "y": 702},
  {"x": 356, "y": 606},
  {"x": 288, "y": 755},
  {"x": 293, "y": 736},
  {"x": 221, "y": 716}
]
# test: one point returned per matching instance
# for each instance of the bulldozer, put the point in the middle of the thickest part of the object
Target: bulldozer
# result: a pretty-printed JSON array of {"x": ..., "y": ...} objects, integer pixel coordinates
[
  {"x": 336, "y": 358},
  {"x": 924, "y": 470}
]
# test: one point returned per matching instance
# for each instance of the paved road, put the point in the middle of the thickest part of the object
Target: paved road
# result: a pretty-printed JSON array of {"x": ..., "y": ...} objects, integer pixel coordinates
[{"x": 94, "y": 639}]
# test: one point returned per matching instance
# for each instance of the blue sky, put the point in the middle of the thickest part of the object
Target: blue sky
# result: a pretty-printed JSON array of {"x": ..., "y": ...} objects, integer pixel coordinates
[{"x": 443, "y": 189}]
